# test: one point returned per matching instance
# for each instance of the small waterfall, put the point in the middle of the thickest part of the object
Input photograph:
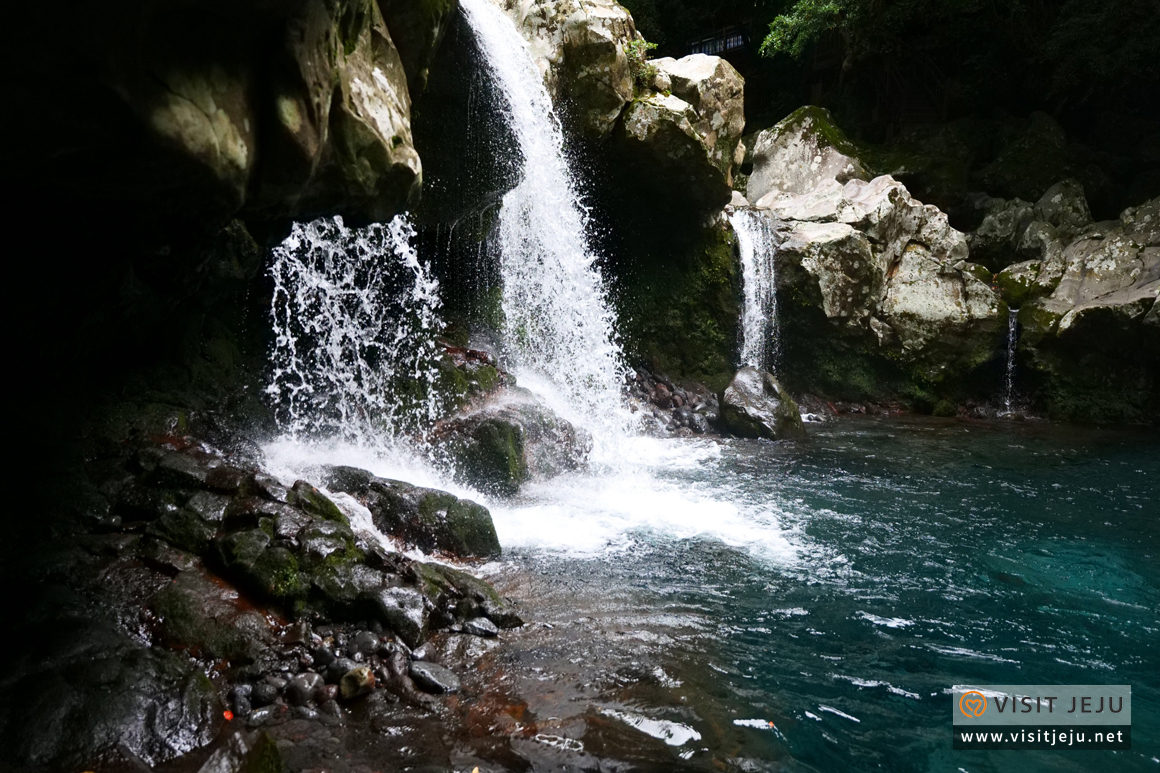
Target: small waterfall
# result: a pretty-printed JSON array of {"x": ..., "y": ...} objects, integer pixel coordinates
[
  {"x": 759, "y": 329},
  {"x": 559, "y": 328},
  {"x": 354, "y": 315},
  {"x": 1012, "y": 341}
]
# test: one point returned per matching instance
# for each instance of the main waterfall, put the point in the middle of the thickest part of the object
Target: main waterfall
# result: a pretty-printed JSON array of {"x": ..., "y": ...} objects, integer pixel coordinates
[{"x": 558, "y": 327}]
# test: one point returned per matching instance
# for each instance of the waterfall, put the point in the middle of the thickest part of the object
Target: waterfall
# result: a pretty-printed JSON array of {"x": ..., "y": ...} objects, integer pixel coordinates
[
  {"x": 759, "y": 329},
  {"x": 355, "y": 314},
  {"x": 1012, "y": 341},
  {"x": 558, "y": 327}
]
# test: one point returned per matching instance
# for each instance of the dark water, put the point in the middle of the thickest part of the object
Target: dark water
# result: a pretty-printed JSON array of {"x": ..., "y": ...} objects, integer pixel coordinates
[{"x": 921, "y": 554}]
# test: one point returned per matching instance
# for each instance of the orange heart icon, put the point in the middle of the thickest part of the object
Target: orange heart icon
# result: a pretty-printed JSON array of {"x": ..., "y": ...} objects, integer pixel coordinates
[{"x": 973, "y": 704}]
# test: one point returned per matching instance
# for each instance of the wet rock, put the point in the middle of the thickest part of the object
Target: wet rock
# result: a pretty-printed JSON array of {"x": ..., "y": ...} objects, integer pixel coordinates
[
  {"x": 316, "y": 503},
  {"x": 480, "y": 626},
  {"x": 433, "y": 678},
  {"x": 203, "y": 616},
  {"x": 800, "y": 153},
  {"x": 754, "y": 405},
  {"x": 208, "y": 506},
  {"x": 356, "y": 682},
  {"x": 91, "y": 689},
  {"x": 445, "y": 586},
  {"x": 263, "y": 694},
  {"x": 403, "y": 609},
  {"x": 245, "y": 754},
  {"x": 510, "y": 439},
  {"x": 365, "y": 642},
  {"x": 338, "y": 669},
  {"x": 429, "y": 519},
  {"x": 417, "y": 29},
  {"x": 183, "y": 529},
  {"x": 178, "y": 470},
  {"x": 304, "y": 688}
]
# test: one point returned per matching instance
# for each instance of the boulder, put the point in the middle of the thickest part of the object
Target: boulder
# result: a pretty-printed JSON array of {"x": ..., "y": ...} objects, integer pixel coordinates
[
  {"x": 579, "y": 46},
  {"x": 658, "y": 140},
  {"x": 1064, "y": 207},
  {"x": 800, "y": 153},
  {"x": 887, "y": 270},
  {"x": 1092, "y": 342},
  {"x": 510, "y": 439},
  {"x": 754, "y": 405},
  {"x": 429, "y": 519},
  {"x": 716, "y": 93},
  {"x": 994, "y": 242}
]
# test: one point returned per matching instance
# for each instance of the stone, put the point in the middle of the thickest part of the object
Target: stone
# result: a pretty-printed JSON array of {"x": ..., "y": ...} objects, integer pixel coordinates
[
  {"x": 426, "y": 518},
  {"x": 198, "y": 614},
  {"x": 183, "y": 529},
  {"x": 716, "y": 93},
  {"x": 241, "y": 754},
  {"x": 433, "y": 678},
  {"x": 995, "y": 241},
  {"x": 754, "y": 405},
  {"x": 338, "y": 669},
  {"x": 480, "y": 626},
  {"x": 658, "y": 134},
  {"x": 304, "y": 688},
  {"x": 801, "y": 152},
  {"x": 365, "y": 642},
  {"x": 355, "y": 683},
  {"x": 509, "y": 439},
  {"x": 1094, "y": 330},
  {"x": 888, "y": 271},
  {"x": 404, "y": 610},
  {"x": 1065, "y": 207},
  {"x": 263, "y": 694},
  {"x": 316, "y": 503}
]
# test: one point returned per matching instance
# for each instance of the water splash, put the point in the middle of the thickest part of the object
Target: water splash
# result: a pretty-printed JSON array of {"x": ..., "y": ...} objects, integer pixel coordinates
[
  {"x": 760, "y": 337},
  {"x": 559, "y": 328},
  {"x": 1012, "y": 342},
  {"x": 354, "y": 315}
]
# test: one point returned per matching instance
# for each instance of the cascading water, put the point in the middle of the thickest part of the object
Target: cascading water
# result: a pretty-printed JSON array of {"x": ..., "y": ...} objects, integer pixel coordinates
[
  {"x": 759, "y": 329},
  {"x": 1012, "y": 342},
  {"x": 354, "y": 315},
  {"x": 559, "y": 328}
]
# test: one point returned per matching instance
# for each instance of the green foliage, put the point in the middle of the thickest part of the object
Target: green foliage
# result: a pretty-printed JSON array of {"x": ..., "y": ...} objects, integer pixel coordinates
[
  {"x": 642, "y": 71},
  {"x": 806, "y": 22}
]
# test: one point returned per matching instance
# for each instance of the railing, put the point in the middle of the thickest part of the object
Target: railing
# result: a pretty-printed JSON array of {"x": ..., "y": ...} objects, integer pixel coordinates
[{"x": 726, "y": 40}]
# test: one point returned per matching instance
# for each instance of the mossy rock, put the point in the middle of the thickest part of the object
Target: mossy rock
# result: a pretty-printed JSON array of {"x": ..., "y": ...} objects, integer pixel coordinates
[
  {"x": 492, "y": 456},
  {"x": 183, "y": 529},
  {"x": 316, "y": 503},
  {"x": 944, "y": 409}
]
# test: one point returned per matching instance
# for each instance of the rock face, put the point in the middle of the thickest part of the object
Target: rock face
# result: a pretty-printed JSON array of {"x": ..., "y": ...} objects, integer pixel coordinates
[
  {"x": 1015, "y": 230},
  {"x": 417, "y": 28},
  {"x": 579, "y": 46},
  {"x": 242, "y": 108},
  {"x": 800, "y": 153},
  {"x": 889, "y": 270},
  {"x": 1093, "y": 339},
  {"x": 754, "y": 405}
]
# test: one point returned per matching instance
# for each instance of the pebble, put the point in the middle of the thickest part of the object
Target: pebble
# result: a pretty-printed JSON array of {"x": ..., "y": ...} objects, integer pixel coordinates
[
  {"x": 303, "y": 712},
  {"x": 364, "y": 643},
  {"x": 339, "y": 668},
  {"x": 480, "y": 626},
  {"x": 434, "y": 678},
  {"x": 304, "y": 688},
  {"x": 263, "y": 694},
  {"x": 356, "y": 682}
]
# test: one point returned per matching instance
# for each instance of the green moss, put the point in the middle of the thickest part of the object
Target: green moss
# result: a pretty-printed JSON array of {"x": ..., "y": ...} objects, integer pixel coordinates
[
  {"x": 493, "y": 457},
  {"x": 316, "y": 503},
  {"x": 275, "y": 572},
  {"x": 1015, "y": 290},
  {"x": 945, "y": 409},
  {"x": 681, "y": 317}
]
